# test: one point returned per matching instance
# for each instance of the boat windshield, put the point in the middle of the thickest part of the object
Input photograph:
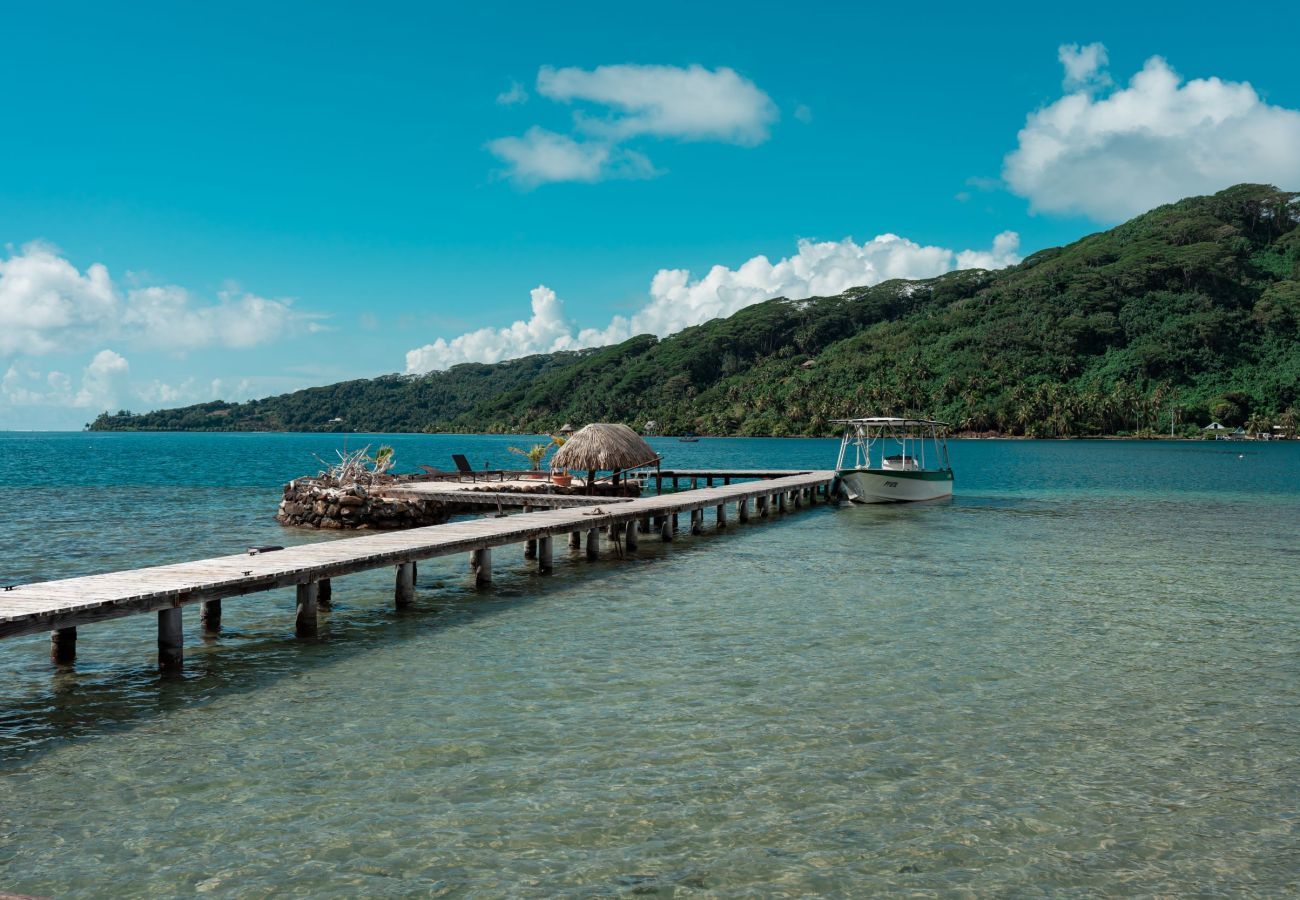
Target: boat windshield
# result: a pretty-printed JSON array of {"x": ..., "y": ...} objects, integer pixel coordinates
[{"x": 896, "y": 445}]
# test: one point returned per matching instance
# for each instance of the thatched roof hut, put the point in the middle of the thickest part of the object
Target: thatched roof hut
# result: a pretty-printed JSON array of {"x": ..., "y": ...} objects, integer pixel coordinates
[
  {"x": 566, "y": 428},
  {"x": 602, "y": 447}
]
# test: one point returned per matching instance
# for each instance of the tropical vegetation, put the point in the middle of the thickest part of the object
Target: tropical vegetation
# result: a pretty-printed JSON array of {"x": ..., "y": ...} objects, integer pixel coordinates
[{"x": 1186, "y": 314}]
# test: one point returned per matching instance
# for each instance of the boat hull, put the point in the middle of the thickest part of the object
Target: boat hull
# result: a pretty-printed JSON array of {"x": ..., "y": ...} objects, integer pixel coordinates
[{"x": 884, "y": 486}]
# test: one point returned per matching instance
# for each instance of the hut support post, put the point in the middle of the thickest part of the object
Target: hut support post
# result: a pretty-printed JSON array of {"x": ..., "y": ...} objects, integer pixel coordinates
[
  {"x": 210, "y": 616},
  {"x": 404, "y": 590},
  {"x": 305, "y": 621},
  {"x": 171, "y": 640},
  {"x": 544, "y": 564},
  {"x": 480, "y": 563},
  {"x": 63, "y": 646}
]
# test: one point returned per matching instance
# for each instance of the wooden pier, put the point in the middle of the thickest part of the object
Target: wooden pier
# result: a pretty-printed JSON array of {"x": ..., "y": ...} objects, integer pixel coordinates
[{"x": 60, "y": 607}]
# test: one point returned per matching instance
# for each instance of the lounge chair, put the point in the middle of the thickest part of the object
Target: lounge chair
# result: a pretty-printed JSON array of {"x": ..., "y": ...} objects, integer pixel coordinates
[
  {"x": 464, "y": 468},
  {"x": 439, "y": 474}
]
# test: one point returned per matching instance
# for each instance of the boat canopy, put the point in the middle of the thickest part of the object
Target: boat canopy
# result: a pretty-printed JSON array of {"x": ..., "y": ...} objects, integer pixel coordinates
[{"x": 887, "y": 420}]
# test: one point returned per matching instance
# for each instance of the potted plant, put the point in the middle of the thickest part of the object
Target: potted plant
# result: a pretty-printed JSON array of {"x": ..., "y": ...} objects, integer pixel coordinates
[
  {"x": 534, "y": 454},
  {"x": 559, "y": 477}
]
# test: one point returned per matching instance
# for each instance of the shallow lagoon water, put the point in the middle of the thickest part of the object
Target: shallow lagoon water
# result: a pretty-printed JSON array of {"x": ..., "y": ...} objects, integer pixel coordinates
[{"x": 1080, "y": 676}]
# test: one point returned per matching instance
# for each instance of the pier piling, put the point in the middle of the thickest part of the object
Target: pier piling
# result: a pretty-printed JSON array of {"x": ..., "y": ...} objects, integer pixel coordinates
[
  {"x": 63, "y": 646},
  {"x": 481, "y": 565},
  {"x": 171, "y": 640},
  {"x": 404, "y": 589},
  {"x": 210, "y": 617},
  {"x": 305, "y": 620},
  {"x": 544, "y": 564}
]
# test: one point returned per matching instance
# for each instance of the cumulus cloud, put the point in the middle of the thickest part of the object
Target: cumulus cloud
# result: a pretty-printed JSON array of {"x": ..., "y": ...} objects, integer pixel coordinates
[
  {"x": 1113, "y": 154},
  {"x": 47, "y": 305},
  {"x": 677, "y": 301},
  {"x": 621, "y": 103},
  {"x": 23, "y": 385}
]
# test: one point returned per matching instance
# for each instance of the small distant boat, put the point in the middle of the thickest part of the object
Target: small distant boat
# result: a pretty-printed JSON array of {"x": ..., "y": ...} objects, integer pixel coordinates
[
  {"x": 689, "y": 437},
  {"x": 887, "y": 460}
]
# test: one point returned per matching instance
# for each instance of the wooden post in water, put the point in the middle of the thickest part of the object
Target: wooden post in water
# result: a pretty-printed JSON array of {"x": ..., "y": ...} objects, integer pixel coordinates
[
  {"x": 325, "y": 592},
  {"x": 544, "y": 555},
  {"x": 404, "y": 593},
  {"x": 593, "y": 543},
  {"x": 742, "y": 509},
  {"x": 210, "y": 616},
  {"x": 630, "y": 534},
  {"x": 480, "y": 563},
  {"x": 305, "y": 623},
  {"x": 530, "y": 547},
  {"x": 575, "y": 540},
  {"x": 762, "y": 506},
  {"x": 708, "y": 482},
  {"x": 780, "y": 501},
  {"x": 677, "y": 523},
  {"x": 171, "y": 639},
  {"x": 666, "y": 529},
  {"x": 697, "y": 521},
  {"x": 722, "y": 516},
  {"x": 63, "y": 646}
]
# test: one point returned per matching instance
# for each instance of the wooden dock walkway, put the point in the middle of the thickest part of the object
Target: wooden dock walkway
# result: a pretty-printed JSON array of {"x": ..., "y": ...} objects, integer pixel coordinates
[{"x": 61, "y": 606}]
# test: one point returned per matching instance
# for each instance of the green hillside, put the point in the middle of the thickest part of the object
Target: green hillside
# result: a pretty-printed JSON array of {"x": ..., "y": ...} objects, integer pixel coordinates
[{"x": 1189, "y": 311}]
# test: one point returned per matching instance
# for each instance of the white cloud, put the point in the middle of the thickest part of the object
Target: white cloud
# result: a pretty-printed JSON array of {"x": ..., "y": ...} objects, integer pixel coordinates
[
  {"x": 803, "y": 114},
  {"x": 514, "y": 96},
  {"x": 47, "y": 305},
  {"x": 677, "y": 301},
  {"x": 1084, "y": 66},
  {"x": 100, "y": 386},
  {"x": 1114, "y": 155},
  {"x": 541, "y": 157},
  {"x": 692, "y": 103}
]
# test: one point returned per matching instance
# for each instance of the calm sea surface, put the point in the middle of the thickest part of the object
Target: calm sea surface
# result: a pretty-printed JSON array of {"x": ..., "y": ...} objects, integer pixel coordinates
[{"x": 1080, "y": 676}]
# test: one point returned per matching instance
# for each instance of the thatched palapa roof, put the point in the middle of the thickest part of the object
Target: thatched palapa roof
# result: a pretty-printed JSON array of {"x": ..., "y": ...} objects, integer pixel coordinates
[{"x": 603, "y": 447}]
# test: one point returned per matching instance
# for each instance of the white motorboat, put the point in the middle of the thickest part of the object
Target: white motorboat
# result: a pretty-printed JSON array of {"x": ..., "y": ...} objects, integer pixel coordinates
[{"x": 887, "y": 460}]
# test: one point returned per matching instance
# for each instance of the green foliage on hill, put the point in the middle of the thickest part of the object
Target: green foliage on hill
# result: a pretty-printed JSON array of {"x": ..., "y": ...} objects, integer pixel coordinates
[{"x": 1189, "y": 312}]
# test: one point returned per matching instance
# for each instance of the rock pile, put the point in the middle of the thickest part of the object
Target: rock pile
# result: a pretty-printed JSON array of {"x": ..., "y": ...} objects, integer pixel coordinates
[{"x": 310, "y": 503}]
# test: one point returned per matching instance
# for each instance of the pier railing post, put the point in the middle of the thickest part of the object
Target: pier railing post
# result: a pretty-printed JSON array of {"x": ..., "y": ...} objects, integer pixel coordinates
[
  {"x": 404, "y": 589},
  {"x": 63, "y": 646},
  {"x": 305, "y": 621},
  {"x": 544, "y": 554},
  {"x": 171, "y": 640}
]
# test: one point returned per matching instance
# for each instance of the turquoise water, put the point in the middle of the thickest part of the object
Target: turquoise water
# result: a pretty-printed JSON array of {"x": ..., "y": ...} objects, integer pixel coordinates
[{"x": 1080, "y": 676}]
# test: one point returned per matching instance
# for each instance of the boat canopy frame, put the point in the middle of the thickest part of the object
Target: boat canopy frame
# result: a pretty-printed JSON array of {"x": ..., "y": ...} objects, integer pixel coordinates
[{"x": 911, "y": 435}]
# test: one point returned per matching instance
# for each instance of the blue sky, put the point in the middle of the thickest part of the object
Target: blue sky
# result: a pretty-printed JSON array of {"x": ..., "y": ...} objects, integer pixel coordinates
[{"x": 199, "y": 202}]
